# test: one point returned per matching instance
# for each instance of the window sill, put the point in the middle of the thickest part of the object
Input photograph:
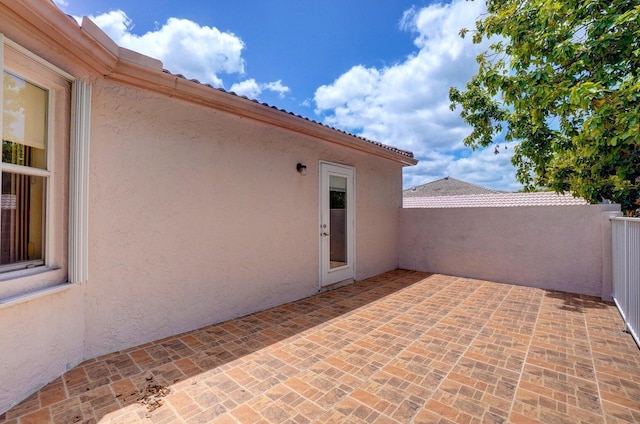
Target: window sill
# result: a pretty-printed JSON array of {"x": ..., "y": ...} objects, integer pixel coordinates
[
  {"x": 25, "y": 282},
  {"x": 25, "y": 272},
  {"x": 21, "y": 298}
]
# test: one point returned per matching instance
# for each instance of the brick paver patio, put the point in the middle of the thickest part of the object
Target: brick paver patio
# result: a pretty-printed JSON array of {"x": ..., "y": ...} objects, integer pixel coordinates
[{"x": 402, "y": 347}]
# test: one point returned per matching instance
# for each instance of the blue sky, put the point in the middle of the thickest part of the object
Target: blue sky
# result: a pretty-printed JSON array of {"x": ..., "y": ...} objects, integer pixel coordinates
[{"x": 376, "y": 68}]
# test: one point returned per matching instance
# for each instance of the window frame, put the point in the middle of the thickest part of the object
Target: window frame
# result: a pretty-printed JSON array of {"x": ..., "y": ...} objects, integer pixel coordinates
[
  {"x": 31, "y": 171},
  {"x": 66, "y": 191}
]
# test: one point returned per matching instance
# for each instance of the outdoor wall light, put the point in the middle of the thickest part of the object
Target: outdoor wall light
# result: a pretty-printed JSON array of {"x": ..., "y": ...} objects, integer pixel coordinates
[{"x": 302, "y": 169}]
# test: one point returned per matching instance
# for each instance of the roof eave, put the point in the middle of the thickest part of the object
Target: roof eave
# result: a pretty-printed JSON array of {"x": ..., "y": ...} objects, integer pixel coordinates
[
  {"x": 89, "y": 51},
  {"x": 51, "y": 32},
  {"x": 141, "y": 76}
]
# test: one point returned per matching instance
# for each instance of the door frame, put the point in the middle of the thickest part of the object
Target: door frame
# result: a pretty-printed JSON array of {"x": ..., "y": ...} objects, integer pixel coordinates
[{"x": 329, "y": 276}]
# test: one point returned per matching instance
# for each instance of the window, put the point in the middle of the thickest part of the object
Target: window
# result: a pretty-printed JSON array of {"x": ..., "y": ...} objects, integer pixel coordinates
[
  {"x": 24, "y": 134},
  {"x": 35, "y": 124}
]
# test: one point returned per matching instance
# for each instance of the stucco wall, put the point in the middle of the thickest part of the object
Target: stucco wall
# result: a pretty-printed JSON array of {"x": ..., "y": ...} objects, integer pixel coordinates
[
  {"x": 378, "y": 198},
  {"x": 552, "y": 247},
  {"x": 197, "y": 216},
  {"x": 39, "y": 340}
]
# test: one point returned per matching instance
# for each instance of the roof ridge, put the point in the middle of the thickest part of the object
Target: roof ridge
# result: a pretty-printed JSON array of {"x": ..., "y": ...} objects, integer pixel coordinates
[
  {"x": 446, "y": 186},
  {"x": 466, "y": 182}
]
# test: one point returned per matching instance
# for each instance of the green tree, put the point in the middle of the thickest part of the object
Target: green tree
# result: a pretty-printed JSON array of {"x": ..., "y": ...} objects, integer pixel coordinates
[{"x": 561, "y": 78}]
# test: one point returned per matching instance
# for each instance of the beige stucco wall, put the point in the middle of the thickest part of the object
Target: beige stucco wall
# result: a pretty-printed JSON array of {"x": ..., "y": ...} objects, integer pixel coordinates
[
  {"x": 378, "y": 199},
  {"x": 39, "y": 340},
  {"x": 552, "y": 247},
  {"x": 197, "y": 216}
]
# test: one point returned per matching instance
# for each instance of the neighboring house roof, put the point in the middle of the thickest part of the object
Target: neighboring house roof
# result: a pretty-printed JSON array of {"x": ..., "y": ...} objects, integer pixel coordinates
[
  {"x": 446, "y": 186},
  {"x": 493, "y": 200}
]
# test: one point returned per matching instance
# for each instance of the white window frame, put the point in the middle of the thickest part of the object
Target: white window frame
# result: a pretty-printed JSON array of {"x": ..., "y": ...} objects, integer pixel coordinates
[
  {"x": 32, "y": 172},
  {"x": 19, "y": 284}
]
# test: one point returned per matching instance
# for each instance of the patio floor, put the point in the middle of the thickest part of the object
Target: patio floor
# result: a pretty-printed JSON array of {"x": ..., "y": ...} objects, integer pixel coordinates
[{"x": 400, "y": 347}]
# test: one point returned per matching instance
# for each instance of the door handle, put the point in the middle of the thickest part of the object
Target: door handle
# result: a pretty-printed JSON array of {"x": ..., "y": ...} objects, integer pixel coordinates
[{"x": 325, "y": 234}]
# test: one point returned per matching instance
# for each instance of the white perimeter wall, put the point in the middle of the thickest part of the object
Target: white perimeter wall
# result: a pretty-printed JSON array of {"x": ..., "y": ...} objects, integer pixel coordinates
[{"x": 564, "y": 248}]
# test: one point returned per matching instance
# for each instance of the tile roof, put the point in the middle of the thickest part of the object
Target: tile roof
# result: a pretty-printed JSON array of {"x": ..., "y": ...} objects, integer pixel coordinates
[
  {"x": 402, "y": 152},
  {"x": 493, "y": 200},
  {"x": 446, "y": 186}
]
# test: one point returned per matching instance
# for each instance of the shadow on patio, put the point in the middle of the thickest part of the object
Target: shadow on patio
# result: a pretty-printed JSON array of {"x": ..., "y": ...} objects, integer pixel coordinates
[{"x": 400, "y": 347}]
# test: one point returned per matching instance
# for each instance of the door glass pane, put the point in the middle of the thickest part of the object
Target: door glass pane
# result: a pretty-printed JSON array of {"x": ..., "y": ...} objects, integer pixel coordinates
[
  {"x": 338, "y": 221},
  {"x": 22, "y": 218},
  {"x": 24, "y": 122}
]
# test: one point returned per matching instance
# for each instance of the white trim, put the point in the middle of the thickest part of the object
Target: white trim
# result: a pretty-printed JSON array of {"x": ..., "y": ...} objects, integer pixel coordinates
[
  {"x": 38, "y": 59},
  {"x": 49, "y": 191},
  {"x": 28, "y": 170},
  {"x": 22, "y": 265},
  {"x": 79, "y": 183},
  {"x": 21, "y": 298},
  {"x": 328, "y": 275},
  {"x": 24, "y": 170},
  {"x": 34, "y": 280}
]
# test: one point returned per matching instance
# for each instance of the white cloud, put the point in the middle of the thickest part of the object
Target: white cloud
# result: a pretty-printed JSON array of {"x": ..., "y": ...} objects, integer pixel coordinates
[
  {"x": 482, "y": 167},
  {"x": 277, "y": 87},
  {"x": 485, "y": 168},
  {"x": 61, "y": 3},
  {"x": 253, "y": 89},
  {"x": 184, "y": 47},
  {"x": 407, "y": 104},
  {"x": 249, "y": 88}
]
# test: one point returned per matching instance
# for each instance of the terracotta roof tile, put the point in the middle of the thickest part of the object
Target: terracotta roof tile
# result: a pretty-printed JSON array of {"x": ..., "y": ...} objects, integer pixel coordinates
[
  {"x": 493, "y": 200},
  {"x": 406, "y": 153}
]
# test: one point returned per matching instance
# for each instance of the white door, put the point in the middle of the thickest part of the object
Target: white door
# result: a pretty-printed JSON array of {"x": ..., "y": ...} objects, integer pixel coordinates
[{"x": 337, "y": 223}]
